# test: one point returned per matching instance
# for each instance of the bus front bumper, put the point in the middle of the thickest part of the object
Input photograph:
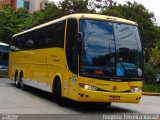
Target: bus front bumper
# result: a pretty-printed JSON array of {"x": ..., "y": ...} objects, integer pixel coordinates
[{"x": 98, "y": 96}]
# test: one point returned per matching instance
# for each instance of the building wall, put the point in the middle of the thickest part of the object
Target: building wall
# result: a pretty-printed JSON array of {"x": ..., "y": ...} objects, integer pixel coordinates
[
  {"x": 5, "y": 2},
  {"x": 1, "y": 2},
  {"x": 10, "y": 2},
  {"x": 13, "y": 3},
  {"x": 36, "y": 4},
  {"x": 31, "y": 5}
]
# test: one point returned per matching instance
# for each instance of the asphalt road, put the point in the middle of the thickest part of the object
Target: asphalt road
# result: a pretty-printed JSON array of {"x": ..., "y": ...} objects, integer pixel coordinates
[{"x": 33, "y": 101}]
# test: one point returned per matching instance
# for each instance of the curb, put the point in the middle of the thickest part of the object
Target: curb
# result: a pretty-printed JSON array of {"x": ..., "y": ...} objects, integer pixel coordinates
[{"x": 150, "y": 94}]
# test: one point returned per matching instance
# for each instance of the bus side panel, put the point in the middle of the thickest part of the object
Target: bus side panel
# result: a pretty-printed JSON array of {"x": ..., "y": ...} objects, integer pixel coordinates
[{"x": 56, "y": 65}]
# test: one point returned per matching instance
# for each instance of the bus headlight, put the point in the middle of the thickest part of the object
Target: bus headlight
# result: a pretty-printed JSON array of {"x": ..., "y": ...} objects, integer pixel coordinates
[
  {"x": 88, "y": 87},
  {"x": 136, "y": 89}
]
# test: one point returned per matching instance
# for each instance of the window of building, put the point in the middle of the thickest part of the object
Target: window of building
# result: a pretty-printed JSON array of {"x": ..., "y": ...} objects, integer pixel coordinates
[
  {"x": 26, "y": 4},
  {"x": 20, "y": 3}
]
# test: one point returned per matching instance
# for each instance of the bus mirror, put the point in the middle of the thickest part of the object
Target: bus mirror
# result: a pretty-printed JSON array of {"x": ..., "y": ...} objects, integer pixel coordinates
[{"x": 79, "y": 36}]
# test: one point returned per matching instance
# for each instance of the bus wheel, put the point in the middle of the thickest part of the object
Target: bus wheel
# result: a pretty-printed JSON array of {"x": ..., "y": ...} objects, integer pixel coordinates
[
  {"x": 107, "y": 104},
  {"x": 22, "y": 85},
  {"x": 60, "y": 99},
  {"x": 16, "y": 80}
]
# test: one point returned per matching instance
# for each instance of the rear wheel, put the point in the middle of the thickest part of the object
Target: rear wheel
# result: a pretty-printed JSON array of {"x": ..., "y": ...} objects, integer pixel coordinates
[
  {"x": 60, "y": 99},
  {"x": 16, "y": 80},
  {"x": 22, "y": 85}
]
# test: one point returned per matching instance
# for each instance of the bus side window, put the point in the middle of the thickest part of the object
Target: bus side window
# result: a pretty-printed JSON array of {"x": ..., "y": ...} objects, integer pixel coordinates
[
  {"x": 18, "y": 43},
  {"x": 54, "y": 35},
  {"x": 72, "y": 45},
  {"x": 13, "y": 45},
  {"x": 31, "y": 39}
]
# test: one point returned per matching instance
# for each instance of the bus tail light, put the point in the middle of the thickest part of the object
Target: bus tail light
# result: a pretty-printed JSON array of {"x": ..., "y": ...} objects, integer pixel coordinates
[
  {"x": 136, "y": 89},
  {"x": 88, "y": 87}
]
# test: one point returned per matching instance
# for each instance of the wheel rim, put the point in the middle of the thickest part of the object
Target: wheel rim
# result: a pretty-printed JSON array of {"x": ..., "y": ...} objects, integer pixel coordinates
[
  {"x": 22, "y": 79},
  {"x": 16, "y": 80}
]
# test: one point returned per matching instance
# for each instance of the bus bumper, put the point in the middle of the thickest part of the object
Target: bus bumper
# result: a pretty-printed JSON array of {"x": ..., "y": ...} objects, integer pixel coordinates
[{"x": 97, "y": 96}]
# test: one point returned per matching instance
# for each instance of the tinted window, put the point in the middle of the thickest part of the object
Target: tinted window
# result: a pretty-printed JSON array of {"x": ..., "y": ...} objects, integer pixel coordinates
[
  {"x": 19, "y": 42},
  {"x": 26, "y": 5},
  {"x": 71, "y": 45},
  {"x": 49, "y": 36},
  {"x": 31, "y": 39},
  {"x": 54, "y": 35}
]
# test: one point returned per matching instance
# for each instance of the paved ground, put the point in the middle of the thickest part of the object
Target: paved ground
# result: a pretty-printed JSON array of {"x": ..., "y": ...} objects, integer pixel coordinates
[{"x": 33, "y": 101}]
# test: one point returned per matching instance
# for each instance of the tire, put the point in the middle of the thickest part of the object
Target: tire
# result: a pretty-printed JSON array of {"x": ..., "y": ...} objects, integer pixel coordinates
[
  {"x": 16, "y": 80},
  {"x": 22, "y": 85},
  {"x": 60, "y": 99},
  {"x": 108, "y": 104}
]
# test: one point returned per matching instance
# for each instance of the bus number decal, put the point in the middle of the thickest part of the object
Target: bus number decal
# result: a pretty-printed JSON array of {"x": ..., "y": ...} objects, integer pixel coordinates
[{"x": 91, "y": 81}]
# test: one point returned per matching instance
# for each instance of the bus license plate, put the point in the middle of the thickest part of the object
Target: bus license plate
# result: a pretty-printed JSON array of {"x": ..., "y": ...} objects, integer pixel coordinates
[{"x": 114, "y": 98}]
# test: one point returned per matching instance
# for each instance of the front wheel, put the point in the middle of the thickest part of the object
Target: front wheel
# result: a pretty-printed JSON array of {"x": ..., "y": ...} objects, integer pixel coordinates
[
  {"x": 107, "y": 104},
  {"x": 60, "y": 99}
]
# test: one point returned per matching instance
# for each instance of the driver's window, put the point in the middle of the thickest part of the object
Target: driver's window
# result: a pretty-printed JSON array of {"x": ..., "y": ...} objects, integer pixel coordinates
[{"x": 72, "y": 45}]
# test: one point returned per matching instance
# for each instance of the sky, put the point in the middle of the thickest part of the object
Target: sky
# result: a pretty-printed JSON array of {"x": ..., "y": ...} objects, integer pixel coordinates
[{"x": 151, "y": 5}]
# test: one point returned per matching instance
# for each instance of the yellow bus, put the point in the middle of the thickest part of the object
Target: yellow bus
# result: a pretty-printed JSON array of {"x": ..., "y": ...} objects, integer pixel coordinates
[{"x": 83, "y": 57}]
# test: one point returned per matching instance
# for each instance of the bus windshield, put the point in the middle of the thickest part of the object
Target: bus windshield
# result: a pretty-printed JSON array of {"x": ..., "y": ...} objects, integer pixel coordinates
[{"x": 110, "y": 49}]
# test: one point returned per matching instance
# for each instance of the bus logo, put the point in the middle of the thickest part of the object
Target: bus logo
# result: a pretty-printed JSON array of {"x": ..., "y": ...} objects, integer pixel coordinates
[{"x": 114, "y": 88}]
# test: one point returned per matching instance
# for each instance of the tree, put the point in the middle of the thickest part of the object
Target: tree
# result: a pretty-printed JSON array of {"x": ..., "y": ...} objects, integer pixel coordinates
[
  {"x": 11, "y": 20},
  {"x": 152, "y": 68},
  {"x": 51, "y": 12},
  {"x": 73, "y": 6},
  {"x": 101, "y": 4}
]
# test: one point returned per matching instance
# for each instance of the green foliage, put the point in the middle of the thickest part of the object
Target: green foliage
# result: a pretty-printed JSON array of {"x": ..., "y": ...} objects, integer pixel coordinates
[
  {"x": 155, "y": 57},
  {"x": 8, "y": 21},
  {"x": 152, "y": 68},
  {"x": 76, "y": 6},
  {"x": 150, "y": 73},
  {"x": 11, "y": 21},
  {"x": 151, "y": 88},
  {"x": 53, "y": 11},
  {"x": 101, "y": 4},
  {"x": 38, "y": 17}
]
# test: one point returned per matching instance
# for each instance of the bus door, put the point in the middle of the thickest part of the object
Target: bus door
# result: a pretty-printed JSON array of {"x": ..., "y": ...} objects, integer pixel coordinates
[{"x": 72, "y": 55}]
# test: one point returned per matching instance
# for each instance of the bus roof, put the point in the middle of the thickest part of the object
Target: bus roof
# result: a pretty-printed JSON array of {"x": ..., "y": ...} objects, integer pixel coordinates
[
  {"x": 85, "y": 16},
  {"x": 3, "y": 44}
]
